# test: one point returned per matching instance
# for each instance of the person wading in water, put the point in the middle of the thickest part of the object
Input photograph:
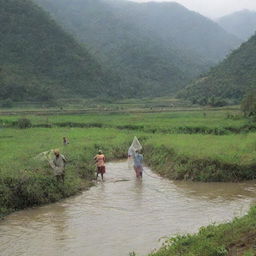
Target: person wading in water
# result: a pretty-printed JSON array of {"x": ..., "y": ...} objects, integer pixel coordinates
[
  {"x": 100, "y": 163},
  {"x": 137, "y": 164}
]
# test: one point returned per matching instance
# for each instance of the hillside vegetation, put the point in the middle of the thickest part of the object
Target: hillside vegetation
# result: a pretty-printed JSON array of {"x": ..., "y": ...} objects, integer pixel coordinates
[
  {"x": 180, "y": 27},
  {"x": 153, "y": 47},
  {"x": 230, "y": 80},
  {"x": 39, "y": 61}
]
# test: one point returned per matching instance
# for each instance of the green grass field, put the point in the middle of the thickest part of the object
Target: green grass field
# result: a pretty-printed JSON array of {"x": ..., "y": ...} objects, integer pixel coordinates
[{"x": 203, "y": 121}]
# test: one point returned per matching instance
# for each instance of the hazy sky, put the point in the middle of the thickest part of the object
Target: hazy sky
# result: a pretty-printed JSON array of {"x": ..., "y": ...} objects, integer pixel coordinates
[{"x": 213, "y": 8}]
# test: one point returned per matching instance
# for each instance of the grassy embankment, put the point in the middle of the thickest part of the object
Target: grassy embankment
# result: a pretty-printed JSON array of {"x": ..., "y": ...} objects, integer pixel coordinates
[
  {"x": 237, "y": 238},
  {"x": 204, "y": 158}
]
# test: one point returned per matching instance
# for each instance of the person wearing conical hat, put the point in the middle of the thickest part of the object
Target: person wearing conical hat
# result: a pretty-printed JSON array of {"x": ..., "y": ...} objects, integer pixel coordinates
[{"x": 100, "y": 164}]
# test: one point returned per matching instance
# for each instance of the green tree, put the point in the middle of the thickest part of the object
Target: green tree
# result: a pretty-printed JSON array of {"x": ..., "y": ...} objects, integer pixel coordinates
[{"x": 248, "y": 105}]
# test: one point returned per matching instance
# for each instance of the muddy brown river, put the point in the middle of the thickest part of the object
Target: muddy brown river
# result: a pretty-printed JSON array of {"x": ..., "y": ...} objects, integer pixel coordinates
[{"x": 122, "y": 215}]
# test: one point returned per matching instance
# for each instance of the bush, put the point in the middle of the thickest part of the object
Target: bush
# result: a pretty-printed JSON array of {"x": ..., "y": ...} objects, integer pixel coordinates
[
  {"x": 24, "y": 123},
  {"x": 248, "y": 105}
]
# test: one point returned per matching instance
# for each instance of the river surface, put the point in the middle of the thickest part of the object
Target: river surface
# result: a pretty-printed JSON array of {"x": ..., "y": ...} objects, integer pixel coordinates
[{"x": 122, "y": 215}]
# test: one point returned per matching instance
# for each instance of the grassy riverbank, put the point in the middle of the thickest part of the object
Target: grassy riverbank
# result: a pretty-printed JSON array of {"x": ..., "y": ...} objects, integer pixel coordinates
[
  {"x": 236, "y": 238},
  {"x": 26, "y": 181},
  {"x": 204, "y": 158}
]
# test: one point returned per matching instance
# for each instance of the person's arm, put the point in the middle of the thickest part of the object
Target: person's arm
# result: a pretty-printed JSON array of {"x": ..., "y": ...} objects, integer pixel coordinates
[{"x": 52, "y": 164}]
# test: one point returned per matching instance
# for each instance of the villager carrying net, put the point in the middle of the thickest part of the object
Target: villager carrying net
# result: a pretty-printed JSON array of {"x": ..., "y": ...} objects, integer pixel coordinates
[{"x": 132, "y": 149}]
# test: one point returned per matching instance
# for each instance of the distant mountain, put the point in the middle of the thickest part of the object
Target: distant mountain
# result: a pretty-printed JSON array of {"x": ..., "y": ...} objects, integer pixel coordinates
[
  {"x": 242, "y": 24},
  {"x": 230, "y": 80},
  {"x": 181, "y": 28},
  {"x": 155, "y": 48},
  {"x": 40, "y": 62}
]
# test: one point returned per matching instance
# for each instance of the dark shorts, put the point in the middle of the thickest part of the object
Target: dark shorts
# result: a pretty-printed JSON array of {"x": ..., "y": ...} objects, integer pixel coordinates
[
  {"x": 138, "y": 170},
  {"x": 101, "y": 169},
  {"x": 138, "y": 167}
]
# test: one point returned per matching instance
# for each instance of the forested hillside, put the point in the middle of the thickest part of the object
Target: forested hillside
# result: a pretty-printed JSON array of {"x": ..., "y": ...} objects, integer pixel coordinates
[
  {"x": 156, "y": 49},
  {"x": 39, "y": 61},
  {"x": 242, "y": 23},
  {"x": 180, "y": 27},
  {"x": 128, "y": 49},
  {"x": 230, "y": 80},
  {"x": 147, "y": 65}
]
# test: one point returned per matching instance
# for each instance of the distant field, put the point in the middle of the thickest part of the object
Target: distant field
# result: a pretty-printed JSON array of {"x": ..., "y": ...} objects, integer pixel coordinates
[{"x": 197, "y": 121}]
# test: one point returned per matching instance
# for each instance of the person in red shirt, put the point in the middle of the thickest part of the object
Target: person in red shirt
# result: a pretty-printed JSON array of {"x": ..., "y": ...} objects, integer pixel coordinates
[{"x": 100, "y": 163}]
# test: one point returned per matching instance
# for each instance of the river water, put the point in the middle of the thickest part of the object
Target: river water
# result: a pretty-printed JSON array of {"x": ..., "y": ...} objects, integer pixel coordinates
[{"x": 122, "y": 215}]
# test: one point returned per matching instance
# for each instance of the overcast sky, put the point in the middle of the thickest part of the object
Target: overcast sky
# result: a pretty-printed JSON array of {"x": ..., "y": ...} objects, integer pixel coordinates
[{"x": 213, "y": 8}]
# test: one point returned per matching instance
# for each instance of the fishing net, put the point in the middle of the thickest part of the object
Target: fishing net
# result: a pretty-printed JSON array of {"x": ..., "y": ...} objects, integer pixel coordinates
[
  {"x": 46, "y": 156},
  {"x": 135, "y": 146}
]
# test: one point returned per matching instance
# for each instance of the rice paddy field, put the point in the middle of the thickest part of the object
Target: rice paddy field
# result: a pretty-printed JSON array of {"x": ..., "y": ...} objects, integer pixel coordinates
[{"x": 203, "y": 121}]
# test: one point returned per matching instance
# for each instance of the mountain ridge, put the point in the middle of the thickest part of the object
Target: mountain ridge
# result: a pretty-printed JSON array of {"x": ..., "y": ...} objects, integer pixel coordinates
[
  {"x": 114, "y": 33},
  {"x": 38, "y": 60},
  {"x": 241, "y": 23},
  {"x": 230, "y": 80}
]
